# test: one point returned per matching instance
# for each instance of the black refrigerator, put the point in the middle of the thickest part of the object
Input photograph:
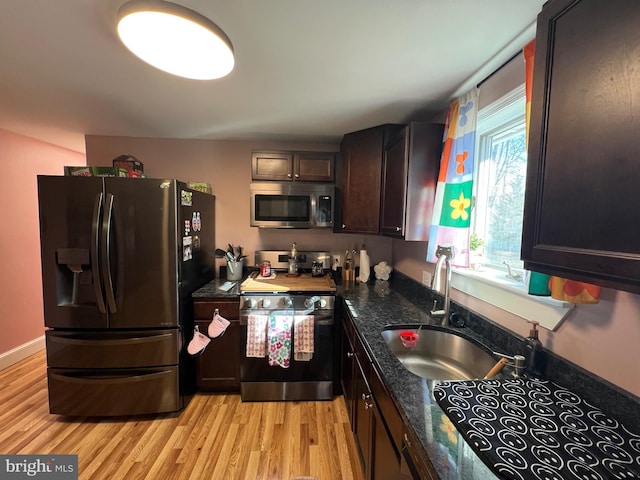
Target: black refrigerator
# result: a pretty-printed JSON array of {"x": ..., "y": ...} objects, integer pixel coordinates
[{"x": 120, "y": 259}]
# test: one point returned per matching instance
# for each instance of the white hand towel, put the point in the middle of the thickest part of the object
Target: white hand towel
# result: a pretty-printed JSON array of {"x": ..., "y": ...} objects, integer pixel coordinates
[{"x": 365, "y": 268}]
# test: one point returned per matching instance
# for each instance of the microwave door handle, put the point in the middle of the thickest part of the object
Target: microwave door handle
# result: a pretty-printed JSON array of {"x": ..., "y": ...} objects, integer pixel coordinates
[
  {"x": 105, "y": 250},
  {"x": 95, "y": 263}
]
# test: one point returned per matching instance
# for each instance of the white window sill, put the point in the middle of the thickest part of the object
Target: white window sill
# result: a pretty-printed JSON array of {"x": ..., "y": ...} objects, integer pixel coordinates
[{"x": 498, "y": 290}]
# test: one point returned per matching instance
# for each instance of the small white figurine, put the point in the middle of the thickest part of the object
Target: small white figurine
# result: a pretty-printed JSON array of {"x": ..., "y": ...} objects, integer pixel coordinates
[{"x": 382, "y": 270}]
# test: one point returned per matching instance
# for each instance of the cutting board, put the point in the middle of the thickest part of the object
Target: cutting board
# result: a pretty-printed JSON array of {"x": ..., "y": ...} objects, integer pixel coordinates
[{"x": 283, "y": 283}]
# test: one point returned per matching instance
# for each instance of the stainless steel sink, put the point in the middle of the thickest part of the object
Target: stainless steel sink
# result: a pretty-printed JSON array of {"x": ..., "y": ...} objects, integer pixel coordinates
[{"x": 438, "y": 354}]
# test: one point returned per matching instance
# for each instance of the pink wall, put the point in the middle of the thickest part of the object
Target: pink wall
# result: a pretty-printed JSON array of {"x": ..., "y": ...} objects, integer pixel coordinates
[
  {"x": 601, "y": 338},
  {"x": 21, "y": 314}
]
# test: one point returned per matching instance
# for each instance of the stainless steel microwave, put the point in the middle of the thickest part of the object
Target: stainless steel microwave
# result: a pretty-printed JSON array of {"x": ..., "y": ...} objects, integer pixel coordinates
[{"x": 292, "y": 205}]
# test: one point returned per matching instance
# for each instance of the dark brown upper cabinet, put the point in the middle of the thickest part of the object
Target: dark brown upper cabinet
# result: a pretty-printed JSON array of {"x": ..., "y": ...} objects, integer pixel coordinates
[
  {"x": 293, "y": 166},
  {"x": 581, "y": 217},
  {"x": 409, "y": 175},
  {"x": 362, "y": 154}
]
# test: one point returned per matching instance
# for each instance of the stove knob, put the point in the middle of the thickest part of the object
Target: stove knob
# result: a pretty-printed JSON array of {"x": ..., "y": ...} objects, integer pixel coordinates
[
  {"x": 323, "y": 303},
  {"x": 250, "y": 303},
  {"x": 287, "y": 302},
  {"x": 310, "y": 302},
  {"x": 266, "y": 303}
]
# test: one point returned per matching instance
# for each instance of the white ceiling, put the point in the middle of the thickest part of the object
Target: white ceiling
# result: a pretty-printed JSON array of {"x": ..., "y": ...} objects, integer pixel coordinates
[{"x": 305, "y": 70}]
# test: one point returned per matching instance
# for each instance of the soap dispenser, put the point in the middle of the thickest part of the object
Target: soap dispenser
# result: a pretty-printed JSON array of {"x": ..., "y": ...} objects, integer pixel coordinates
[{"x": 534, "y": 359}]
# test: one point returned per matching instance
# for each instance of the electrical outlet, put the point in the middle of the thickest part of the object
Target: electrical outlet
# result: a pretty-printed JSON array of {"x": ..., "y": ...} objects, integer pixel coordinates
[{"x": 426, "y": 278}]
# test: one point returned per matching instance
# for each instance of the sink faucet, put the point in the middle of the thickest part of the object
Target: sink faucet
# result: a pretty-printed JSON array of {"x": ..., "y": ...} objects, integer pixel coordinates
[
  {"x": 518, "y": 363},
  {"x": 444, "y": 253},
  {"x": 512, "y": 274}
]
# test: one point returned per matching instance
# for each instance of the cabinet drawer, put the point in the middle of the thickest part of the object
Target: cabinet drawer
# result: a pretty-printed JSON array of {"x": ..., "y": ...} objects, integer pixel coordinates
[
  {"x": 112, "y": 349},
  {"x": 113, "y": 392},
  {"x": 363, "y": 359},
  {"x": 349, "y": 329},
  {"x": 203, "y": 310}
]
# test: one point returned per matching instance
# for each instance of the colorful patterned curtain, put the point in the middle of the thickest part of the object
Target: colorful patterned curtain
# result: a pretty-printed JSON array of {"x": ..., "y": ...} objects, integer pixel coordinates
[
  {"x": 452, "y": 209},
  {"x": 560, "y": 288}
]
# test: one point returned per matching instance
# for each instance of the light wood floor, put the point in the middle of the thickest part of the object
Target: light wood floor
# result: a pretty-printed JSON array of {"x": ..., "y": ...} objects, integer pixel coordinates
[{"x": 215, "y": 437}]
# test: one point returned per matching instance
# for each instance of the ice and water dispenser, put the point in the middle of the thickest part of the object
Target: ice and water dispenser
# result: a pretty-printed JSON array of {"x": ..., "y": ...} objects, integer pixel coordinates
[{"x": 74, "y": 285}]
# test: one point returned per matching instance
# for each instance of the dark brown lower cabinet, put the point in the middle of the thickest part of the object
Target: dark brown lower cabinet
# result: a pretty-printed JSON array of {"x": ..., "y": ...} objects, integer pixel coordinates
[
  {"x": 384, "y": 459},
  {"x": 375, "y": 422},
  {"x": 218, "y": 368},
  {"x": 362, "y": 419}
]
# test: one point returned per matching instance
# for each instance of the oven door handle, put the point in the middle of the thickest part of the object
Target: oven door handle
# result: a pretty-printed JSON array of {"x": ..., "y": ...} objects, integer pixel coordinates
[{"x": 322, "y": 319}]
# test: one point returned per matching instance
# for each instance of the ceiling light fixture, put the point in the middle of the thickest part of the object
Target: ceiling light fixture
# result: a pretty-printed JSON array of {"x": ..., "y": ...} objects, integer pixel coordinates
[{"x": 175, "y": 39}]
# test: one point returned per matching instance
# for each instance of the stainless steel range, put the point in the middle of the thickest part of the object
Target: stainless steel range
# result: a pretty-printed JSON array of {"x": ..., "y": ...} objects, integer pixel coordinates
[{"x": 288, "y": 330}]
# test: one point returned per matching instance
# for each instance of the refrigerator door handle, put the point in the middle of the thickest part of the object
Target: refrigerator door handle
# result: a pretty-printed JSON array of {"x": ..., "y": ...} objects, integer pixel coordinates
[
  {"x": 95, "y": 239},
  {"x": 105, "y": 249}
]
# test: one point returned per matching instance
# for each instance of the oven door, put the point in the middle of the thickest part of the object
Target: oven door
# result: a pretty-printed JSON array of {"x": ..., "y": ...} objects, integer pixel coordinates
[{"x": 302, "y": 380}]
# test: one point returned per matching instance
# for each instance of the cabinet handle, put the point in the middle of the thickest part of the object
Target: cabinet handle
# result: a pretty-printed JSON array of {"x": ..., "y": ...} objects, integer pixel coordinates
[
  {"x": 398, "y": 229},
  {"x": 367, "y": 406},
  {"x": 349, "y": 354},
  {"x": 289, "y": 175},
  {"x": 344, "y": 226},
  {"x": 406, "y": 440},
  {"x": 366, "y": 396},
  {"x": 297, "y": 176}
]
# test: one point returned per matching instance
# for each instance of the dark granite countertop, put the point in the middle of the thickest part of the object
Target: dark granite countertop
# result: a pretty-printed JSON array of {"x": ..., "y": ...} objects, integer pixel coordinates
[
  {"x": 403, "y": 300},
  {"x": 213, "y": 290},
  {"x": 374, "y": 306}
]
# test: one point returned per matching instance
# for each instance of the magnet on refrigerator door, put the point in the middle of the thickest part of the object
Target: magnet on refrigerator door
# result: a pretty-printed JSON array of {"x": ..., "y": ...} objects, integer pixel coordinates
[{"x": 187, "y": 248}]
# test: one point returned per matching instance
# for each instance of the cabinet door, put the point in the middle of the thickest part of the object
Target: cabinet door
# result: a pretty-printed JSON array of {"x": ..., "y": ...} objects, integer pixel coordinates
[
  {"x": 362, "y": 420},
  {"x": 580, "y": 219},
  {"x": 348, "y": 375},
  {"x": 385, "y": 463},
  {"x": 388, "y": 410},
  {"x": 410, "y": 174},
  {"x": 218, "y": 368},
  {"x": 425, "y": 149},
  {"x": 362, "y": 170},
  {"x": 313, "y": 167},
  {"x": 272, "y": 166},
  {"x": 394, "y": 185}
]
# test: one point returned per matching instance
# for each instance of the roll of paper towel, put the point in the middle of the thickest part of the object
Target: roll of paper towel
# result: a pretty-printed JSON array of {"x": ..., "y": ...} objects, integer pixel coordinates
[{"x": 365, "y": 267}]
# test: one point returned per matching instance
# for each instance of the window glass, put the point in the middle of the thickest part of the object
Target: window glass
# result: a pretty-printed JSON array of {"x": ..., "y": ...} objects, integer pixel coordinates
[{"x": 500, "y": 184}]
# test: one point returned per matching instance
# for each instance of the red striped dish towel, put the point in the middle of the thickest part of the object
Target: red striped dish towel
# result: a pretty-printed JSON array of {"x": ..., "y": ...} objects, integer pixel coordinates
[
  {"x": 303, "y": 338},
  {"x": 256, "y": 335}
]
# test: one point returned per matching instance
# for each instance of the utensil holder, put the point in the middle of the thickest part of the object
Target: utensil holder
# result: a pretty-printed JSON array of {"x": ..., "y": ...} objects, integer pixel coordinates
[{"x": 234, "y": 270}]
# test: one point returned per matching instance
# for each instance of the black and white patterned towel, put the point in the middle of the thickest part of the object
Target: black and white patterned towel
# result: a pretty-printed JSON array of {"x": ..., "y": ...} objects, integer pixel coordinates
[{"x": 534, "y": 429}]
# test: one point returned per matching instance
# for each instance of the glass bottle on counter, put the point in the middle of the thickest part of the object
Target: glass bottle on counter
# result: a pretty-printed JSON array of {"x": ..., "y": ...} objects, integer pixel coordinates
[{"x": 293, "y": 260}]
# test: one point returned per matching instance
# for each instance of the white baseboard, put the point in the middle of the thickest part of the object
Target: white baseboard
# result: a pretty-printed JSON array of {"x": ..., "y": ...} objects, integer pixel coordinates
[{"x": 20, "y": 353}]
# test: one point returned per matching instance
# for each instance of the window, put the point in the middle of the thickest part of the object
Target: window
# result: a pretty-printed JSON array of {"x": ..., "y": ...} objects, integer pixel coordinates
[
  {"x": 496, "y": 223},
  {"x": 499, "y": 185}
]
